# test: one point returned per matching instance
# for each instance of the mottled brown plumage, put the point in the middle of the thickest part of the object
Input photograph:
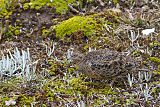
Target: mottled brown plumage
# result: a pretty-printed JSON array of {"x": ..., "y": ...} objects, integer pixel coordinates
[{"x": 106, "y": 64}]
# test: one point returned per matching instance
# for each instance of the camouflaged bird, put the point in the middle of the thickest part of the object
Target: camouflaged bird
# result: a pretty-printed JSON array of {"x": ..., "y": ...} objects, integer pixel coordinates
[{"x": 106, "y": 64}]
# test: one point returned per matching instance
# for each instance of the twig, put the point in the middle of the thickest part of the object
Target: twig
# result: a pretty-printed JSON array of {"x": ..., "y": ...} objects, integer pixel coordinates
[
  {"x": 72, "y": 8},
  {"x": 101, "y": 2}
]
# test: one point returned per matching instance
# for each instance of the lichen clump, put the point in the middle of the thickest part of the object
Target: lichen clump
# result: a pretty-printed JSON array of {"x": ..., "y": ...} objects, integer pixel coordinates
[{"x": 86, "y": 24}]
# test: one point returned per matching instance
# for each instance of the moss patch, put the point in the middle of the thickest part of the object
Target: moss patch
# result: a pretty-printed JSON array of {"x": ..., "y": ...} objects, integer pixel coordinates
[
  {"x": 155, "y": 59},
  {"x": 61, "y": 6},
  {"x": 86, "y": 24}
]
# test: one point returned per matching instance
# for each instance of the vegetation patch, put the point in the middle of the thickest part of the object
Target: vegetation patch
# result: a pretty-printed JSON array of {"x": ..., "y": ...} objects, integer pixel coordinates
[
  {"x": 155, "y": 59},
  {"x": 51, "y": 30},
  {"x": 85, "y": 24},
  {"x": 3, "y": 9},
  {"x": 61, "y": 6}
]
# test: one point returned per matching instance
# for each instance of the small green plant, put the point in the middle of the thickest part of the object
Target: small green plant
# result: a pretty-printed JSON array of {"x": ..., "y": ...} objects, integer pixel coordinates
[
  {"x": 12, "y": 30},
  {"x": 86, "y": 24}
]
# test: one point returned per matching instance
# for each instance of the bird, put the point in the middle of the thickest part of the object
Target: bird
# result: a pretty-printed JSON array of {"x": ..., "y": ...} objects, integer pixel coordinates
[{"x": 106, "y": 64}]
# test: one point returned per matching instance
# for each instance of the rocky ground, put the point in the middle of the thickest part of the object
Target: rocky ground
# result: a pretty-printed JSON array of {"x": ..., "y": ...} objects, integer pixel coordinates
[{"x": 49, "y": 29}]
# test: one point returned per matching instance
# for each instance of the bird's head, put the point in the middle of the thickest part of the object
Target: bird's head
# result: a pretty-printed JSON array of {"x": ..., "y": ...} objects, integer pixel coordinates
[{"x": 74, "y": 56}]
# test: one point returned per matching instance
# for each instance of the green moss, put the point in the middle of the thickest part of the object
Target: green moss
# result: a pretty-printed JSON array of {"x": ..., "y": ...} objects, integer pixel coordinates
[
  {"x": 130, "y": 101},
  {"x": 25, "y": 100},
  {"x": 9, "y": 85},
  {"x": 78, "y": 84},
  {"x": 115, "y": 1},
  {"x": 3, "y": 4},
  {"x": 12, "y": 30},
  {"x": 26, "y": 6},
  {"x": 155, "y": 59},
  {"x": 8, "y": 6},
  {"x": 2, "y": 100},
  {"x": 139, "y": 22},
  {"x": 157, "y": 72},
  {"x": 18, "y": 21},
  {"x": 35, "y": 4},
  {"x": 37, "y": 7},
  {"x": 71, "y": 69},
  {"x": 45, "y": 32},
  {"x": 17, "y": 32},
  {"x": 7, "y": 15},
  {"x": 53, "y": 68},
  {"x": 44, "y": 105},
  {"x": 86, "y": 24},
  {"x": 61, "y": 6},
  {"x": 38, "y": 3},
  {"x": 155, "y": 43}
]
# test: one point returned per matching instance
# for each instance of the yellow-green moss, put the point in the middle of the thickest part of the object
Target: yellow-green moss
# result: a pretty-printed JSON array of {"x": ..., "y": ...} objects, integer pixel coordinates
[
  {"x": 26, "y": 6},
  {"x": 12, "y": 30},
  {"x": 25, "y": 100},
  {"x": 155, "y": 59},
  {"x": 115, "y": 1},
  {"x": 155, "y": 43},
  {"x": 44, "y": 105},
  {"x": 7, "y": 7},
  {"x": 78, "y": 84},
  {"x": 17, "y": 32},
  {"x": 3, "y": 8},
  {"x": 2, "y": 100},
  {"x": 61, "y": 6},
  {"x": 157, "y": 72},
  {"x": 45, "y": 32},
  {"x": 37, "y": 4},
  {"x": 86, "y": 24}
]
